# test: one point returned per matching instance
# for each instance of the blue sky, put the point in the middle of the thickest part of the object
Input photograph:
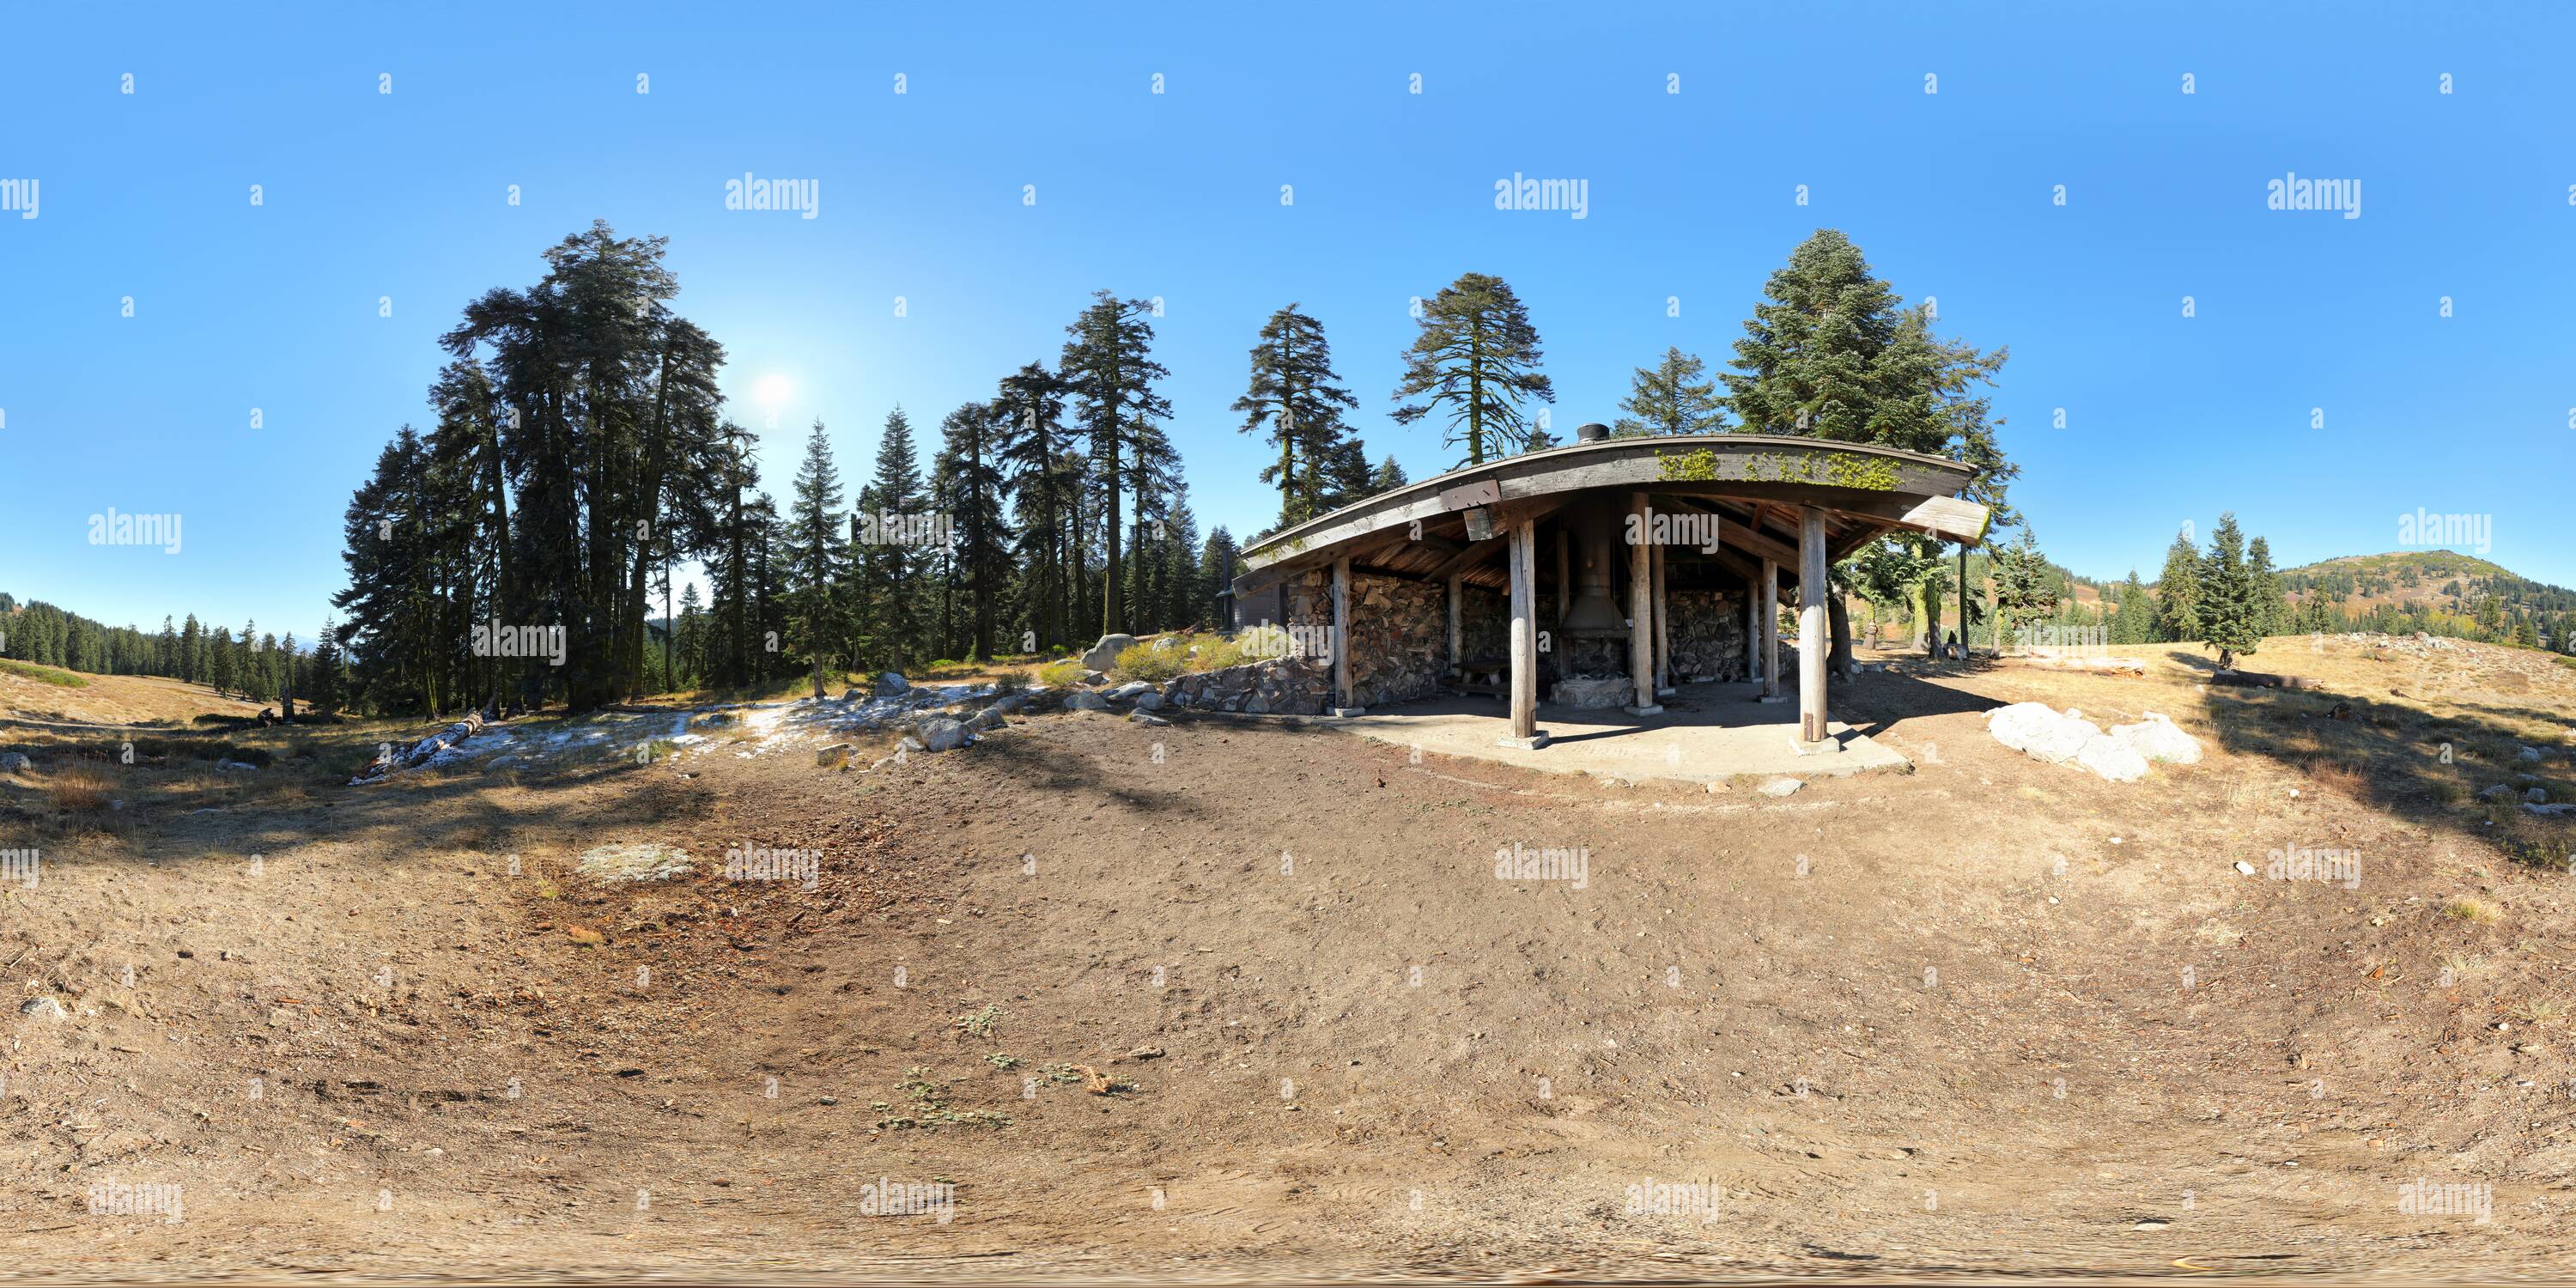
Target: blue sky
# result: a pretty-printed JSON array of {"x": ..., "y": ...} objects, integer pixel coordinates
[{"x": 2469, "y": 195}]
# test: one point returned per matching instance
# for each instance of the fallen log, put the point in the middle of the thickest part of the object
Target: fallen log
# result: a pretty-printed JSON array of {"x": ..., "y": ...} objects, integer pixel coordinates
[{"x": 2258, "y": 680}]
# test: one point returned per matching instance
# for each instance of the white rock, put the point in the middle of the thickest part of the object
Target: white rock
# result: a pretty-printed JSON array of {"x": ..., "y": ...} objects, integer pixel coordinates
[
  {"x": 1782, "y": 786},
  {"x": 942, "y": 734},
  {"x": 892, "y": 682},
  {"x": 2528, "y": 753},
  {"x": 1150, "y": 700},
  {"x": 2156, "y": 738},
  {"x": 1130, "y": 691},
  {"x": 2034, "y": 730},
  {"x": 635, "y": 862},
  {"x": 2113, "y": 759},
  {"x": 1100, "y": 656},
  {"x": 1085, "y": 700},
  {"x": 43, "y": 1008},
  {"x": 15, "y": 763},
  {"x": 2244, "y": 868}
]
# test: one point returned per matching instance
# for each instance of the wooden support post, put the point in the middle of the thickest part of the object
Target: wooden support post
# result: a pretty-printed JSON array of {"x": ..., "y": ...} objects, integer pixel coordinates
[
  {"x": 1342, "y": 637},
  {"x": 1641, "y": 611},
  {"x": 1752, "y": 630},
  {"x": 1524, "y": 556},
  {"x": 1457, "y": 632},
  {"x": 1770, "y": 625},
  {"x": 1812, "y": 644},
  {"x": 1663, "y": 630},
  {"x": 1963, "y": 601},
  {"x": 1564, "y": 575}
]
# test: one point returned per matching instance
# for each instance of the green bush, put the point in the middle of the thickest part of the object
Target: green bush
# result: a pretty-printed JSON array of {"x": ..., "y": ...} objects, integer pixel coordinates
[
  {"x": 44, "y": 674},
  {"x": 1057, "y": 675},
  {"x": 1151, "y": 664}
]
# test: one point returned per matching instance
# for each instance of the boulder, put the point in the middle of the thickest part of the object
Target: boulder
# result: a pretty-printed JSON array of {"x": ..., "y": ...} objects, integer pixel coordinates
[
  {"x": 645, "y": 861},
  {"x": 1782, "y": 786},
  {"x": 2492, "y": 793},
  {"x": 2034, "y": 730},
  {"x": 2536, "y": 796},
  {"x": 892, "y": 682},
  {"x": 1149, "y": 700},
  {"x": 1144, "y": 719},
  {"x": 1101, "y": 656},
  {"x": 2156, "y": 738},
  {"x": 836, "y": 756},
  {"x": 942, "y": 734},
  {"x": 2527, "y": 753},
  {"x": 1095, "y": 679},
  {"x": 988, "y": 718},
  {"x": 2112, "y": 758},
  {"x": 1130, "y": 691},
  {"x": 1085, "y": 700},
  {"x": 15, "y": 763},
  {"x": 853, "y": 694}
]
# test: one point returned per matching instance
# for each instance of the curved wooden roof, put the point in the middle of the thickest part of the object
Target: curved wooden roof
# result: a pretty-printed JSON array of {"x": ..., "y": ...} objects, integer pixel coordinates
[{"x": 1756, "y": 481}]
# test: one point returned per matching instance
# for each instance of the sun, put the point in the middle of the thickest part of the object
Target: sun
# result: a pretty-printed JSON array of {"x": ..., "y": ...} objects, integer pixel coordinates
[{"x": 771, "y": 390}]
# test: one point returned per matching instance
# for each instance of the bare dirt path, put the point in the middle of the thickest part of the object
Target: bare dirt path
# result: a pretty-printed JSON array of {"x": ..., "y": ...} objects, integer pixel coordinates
[{"x": 1990, "y": 1016}]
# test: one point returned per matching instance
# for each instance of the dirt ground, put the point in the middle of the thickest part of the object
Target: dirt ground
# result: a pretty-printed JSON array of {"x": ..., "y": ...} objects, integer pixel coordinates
[{"x": 1246, "y": 998}]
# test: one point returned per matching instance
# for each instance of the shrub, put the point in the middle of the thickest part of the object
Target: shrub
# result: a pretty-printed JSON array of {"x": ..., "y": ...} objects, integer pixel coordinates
[
  {"x": 79, "y": 789},
  {"x": 1007, "y": 683},
  {"x": 1217, "y": 654},
  {"x": 1146, "y": 662},
  {"x": 1060, "y": 674},
  {"x": 46, "y": 674}
]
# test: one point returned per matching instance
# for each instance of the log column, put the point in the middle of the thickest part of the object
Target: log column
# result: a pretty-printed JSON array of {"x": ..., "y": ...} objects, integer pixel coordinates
[
  {"x": 1342, "y": 637},
  {"x": 1769, "y": 608},
  {"x": 1457, "y": 633},
  {"x": 1752, "y": 631},
  {"x": 1663, "y": 629},
  {"x": 1525, "y": 732},
  {"x": 1641, "y": 609},
  {"x": 1812, "y": 630}
]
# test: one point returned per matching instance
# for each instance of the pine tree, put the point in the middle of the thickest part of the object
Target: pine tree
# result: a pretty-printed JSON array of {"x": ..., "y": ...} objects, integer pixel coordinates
[
  {"x": 1109, "y": 372},
  {"x": 1829, "y": 353},
  {"x": 192, "y": 651},
  {"x": 894, "y": 506},
  {"x": 1476, "y": 362},
  {"x": 974, "y": 507},
  {"x": 1672, "y": 398},
  {"x": 2025, "y": 589},
  {"x": 2230, "y": 603},
  {"x": 1045, "y": 488},
  {"x": 2272, "y": 609},
  {"x": 1387, "y": 477},
  {"x": 1293, "y": 397},
  {"x": 2135, "y": 623},
  {"x": 814, "y": 568},
  {"x": 1218, "y": 558},
  {"x": 2178, "y": 594}
]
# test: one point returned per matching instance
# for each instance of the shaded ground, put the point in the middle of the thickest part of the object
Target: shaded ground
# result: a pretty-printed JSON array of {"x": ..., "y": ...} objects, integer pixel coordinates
[
  {"x": 1706, "y": 734},
  {"x": 1990, "y": 1016}
]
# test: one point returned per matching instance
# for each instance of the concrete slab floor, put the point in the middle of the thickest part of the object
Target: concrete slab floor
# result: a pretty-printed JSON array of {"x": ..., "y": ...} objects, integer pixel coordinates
[{"x": 1707, "y": 733}]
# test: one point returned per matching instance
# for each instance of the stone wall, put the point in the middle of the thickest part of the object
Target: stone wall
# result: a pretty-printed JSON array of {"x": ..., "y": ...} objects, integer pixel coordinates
[
  {"x": 1274, "y": 686},
  {"x": 1707, "y": 628}
]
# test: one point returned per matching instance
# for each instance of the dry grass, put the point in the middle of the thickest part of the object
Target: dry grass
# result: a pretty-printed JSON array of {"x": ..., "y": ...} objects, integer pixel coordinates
[
  {"x": 2472, "y": 909},
  {"x": 79, "y": 788},
  {"x": 2343, "y": 778}
]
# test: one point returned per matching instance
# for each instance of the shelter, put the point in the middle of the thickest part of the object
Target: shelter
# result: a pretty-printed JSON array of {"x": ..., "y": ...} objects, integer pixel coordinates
[{"x": 1606, "y": 570}]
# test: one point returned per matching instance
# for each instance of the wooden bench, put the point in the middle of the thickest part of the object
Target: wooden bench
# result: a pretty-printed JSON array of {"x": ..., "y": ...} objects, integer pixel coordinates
[{"x": 1490, "y": 676}]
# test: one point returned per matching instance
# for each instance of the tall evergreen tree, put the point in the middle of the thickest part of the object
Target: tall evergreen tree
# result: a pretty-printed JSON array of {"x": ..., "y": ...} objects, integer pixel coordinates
[
  {"x": 975, "y": 489},
  {"x": 2025, "y": 590},
  {"x": 2230, "y": 605},
  {"x": 1475, "y": 362},
  {"x": 1109, "y": 371},
  {"x": 814, "y": 568},
  {"x": 1044, "y": 482},
  {"x": 2178, "y": 593},
  {"x": 1294, "y": 399},
  {"x": 894, "y": 568},
  {"x": 1672, "y": 398},
  {"x": 2271, "y": 609},
  {"x": 1387, "y": 477}
]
